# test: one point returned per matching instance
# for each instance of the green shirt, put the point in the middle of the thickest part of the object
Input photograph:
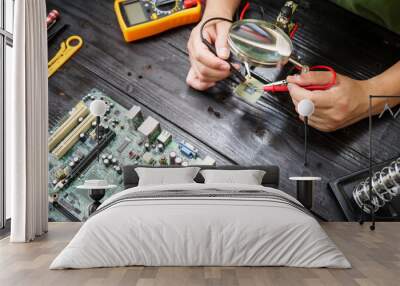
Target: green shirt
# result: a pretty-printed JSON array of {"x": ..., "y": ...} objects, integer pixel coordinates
[{"x": 383, "y": 12}]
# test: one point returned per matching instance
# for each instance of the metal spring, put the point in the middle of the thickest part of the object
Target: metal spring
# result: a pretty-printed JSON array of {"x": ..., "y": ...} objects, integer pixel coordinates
[{"x": 385, "y": 186}]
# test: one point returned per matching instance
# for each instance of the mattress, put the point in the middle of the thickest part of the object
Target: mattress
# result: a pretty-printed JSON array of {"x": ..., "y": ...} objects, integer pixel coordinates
[{"x": 201, "y": 225}]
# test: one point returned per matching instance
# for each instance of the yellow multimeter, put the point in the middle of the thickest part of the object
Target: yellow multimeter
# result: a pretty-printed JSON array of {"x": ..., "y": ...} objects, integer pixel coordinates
[{"x": 139, "y": 19}]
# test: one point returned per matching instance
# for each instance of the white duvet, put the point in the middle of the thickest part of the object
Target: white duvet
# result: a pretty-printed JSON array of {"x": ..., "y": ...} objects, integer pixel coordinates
[{"x": 202, "y": 231}]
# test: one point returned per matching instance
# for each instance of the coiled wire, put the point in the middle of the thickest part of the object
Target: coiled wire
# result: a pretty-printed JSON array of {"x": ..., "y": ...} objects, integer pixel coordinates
[{"x": 385, "y": 186}]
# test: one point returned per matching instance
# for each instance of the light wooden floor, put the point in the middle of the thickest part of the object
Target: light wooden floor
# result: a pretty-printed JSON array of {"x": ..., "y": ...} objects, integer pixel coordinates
[{"x": 375, "y": 257}]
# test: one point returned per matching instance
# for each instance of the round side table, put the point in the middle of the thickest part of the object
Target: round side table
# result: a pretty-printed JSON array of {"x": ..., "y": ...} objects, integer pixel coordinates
[
  {"x": 305, "y": 188},
  {"x": 97, "y": 190}
]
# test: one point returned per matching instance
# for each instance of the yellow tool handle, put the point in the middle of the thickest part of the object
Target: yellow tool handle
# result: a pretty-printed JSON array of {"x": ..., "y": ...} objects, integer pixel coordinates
[{"x": 67, "y": 50}]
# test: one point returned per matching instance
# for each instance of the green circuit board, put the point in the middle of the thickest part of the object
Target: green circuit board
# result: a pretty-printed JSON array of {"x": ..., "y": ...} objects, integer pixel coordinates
[
  {"x": 127, "y": 146},
  {"x": 251, "y": 90}
]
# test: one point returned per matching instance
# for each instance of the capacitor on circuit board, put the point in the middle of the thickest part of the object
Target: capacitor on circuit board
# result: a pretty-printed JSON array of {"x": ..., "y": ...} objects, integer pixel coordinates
[
  {"x": 118, "y": 169},
  {"x": 178, "y": 161},
  {"x": 82, "y": 137},
  {"x": 160, "y": 147},
  {"x": 172, "y": 157},
  {"x": 163, "y": 160}
]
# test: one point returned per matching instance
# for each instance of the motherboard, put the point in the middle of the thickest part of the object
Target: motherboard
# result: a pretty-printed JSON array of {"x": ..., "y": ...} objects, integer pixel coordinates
[{"x": 126, "y": 137}]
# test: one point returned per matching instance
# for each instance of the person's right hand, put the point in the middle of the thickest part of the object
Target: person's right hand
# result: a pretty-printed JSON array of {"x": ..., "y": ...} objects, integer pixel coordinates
[{"x": 206, "y": 68}]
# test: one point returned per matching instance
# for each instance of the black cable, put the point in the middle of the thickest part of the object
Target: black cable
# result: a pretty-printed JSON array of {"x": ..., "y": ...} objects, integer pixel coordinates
[{"x": 212, "y": 48}]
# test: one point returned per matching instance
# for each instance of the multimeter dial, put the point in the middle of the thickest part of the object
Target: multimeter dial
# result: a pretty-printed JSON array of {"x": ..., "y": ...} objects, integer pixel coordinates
[{"x": 165, "y": 7}]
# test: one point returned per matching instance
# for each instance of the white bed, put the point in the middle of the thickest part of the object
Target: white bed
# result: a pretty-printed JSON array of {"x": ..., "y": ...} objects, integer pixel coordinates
[{"x": 222, "y": 225}]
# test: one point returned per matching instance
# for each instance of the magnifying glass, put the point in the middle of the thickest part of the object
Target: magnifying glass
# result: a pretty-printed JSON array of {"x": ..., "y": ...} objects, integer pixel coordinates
[{"x": 260, "y": 43}]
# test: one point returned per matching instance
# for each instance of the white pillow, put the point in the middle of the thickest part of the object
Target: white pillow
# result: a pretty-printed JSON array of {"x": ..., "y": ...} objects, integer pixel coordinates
[
  {"x": 166, "y": 176},
  {"x": 245, "y": 177}
]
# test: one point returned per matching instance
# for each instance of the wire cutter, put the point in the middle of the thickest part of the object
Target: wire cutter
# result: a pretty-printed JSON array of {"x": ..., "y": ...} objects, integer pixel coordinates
[
  {"x": 282, "y": 85},
  {"x": 67, "y": 49}
]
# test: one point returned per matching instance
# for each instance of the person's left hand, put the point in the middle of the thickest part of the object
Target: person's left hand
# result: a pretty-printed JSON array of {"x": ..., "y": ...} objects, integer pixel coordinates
[{"x": 343, "y": 104}]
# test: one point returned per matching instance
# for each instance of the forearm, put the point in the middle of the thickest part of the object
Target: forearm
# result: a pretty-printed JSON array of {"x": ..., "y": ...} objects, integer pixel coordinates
[
  {"x": 387, "y": 84},
  {"x": 221, "y": 8}
]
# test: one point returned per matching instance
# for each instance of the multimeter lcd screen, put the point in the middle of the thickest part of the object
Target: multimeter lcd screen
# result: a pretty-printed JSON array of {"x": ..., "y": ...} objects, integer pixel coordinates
[{"x": 134, "y": 13}]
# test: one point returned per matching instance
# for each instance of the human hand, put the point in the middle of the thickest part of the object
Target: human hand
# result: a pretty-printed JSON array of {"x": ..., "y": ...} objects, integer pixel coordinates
[
  {"x": 206, "y": 68},
  {"x": 343, "y": 104}
]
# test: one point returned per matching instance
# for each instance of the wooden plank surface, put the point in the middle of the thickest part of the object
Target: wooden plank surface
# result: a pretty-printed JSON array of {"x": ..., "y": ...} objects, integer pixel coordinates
[
  {"x": 374, "y": 255},
  {"x": 152, "y": 73}
]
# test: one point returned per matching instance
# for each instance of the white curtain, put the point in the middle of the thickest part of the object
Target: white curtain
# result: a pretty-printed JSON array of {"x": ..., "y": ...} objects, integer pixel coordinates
[{"x": 27, "y": 123}]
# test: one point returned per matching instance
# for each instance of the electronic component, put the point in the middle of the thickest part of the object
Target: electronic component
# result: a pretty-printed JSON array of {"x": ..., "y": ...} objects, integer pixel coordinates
[
  {"x": 163, "y": 160},
  {"x": 250, "y": 90},
  {"x": 188, "y": 149},
  {"x": 134, "y": 117},
  {"x": 132, "y": 155},
  {"x": 160, "y": 147},
  {"x": 118, "y": 169},
  {"x": 164, "y": 138},
  {"x": 150, "y": 128},
  {"x": 124, "y": 144},
  {"x": 60, "y": 174},
  {"x": 82, "y": 137},
  {"x": 147, "y": 158},
  {"x": 172, "y": 157},
  {"x": 73, "y": 137},
  {"x": 141, "y": 19},
  {"x": 185, "y": 163},
  {"x": 208, "y": 161},
  {"x": 178, "y": 161},
  {"x": 80, "y": 110},
  {"x": 284, "y": 19},
  {"x": 147, "y": 146}
]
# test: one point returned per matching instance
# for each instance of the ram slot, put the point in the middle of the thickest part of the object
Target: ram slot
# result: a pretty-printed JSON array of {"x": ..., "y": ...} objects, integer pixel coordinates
[
  {"x": 85, "y": 162},
  {"x": 73, "y": 137},
  {"x": 80, "y": 110}
]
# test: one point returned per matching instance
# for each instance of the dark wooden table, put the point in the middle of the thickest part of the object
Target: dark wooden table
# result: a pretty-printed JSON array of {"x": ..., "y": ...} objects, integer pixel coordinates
[{"x": 151, "y": 73}]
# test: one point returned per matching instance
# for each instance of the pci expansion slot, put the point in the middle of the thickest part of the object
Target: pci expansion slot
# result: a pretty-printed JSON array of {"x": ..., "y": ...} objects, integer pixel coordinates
[{"x": 81, "y": 166}]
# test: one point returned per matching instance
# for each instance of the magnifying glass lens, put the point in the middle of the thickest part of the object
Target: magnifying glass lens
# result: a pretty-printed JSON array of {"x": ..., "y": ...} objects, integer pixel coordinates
[{"x": 259, "y": 43}]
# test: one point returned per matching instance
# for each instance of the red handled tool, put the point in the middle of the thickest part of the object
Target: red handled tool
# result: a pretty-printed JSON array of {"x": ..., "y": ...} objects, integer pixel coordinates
[
  {"x": 52, "y": 17},
  {"x": 282, "y": 86}
]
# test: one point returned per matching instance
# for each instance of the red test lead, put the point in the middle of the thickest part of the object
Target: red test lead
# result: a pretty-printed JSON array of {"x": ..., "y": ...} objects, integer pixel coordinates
[{"x": 282, "y": 86}]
